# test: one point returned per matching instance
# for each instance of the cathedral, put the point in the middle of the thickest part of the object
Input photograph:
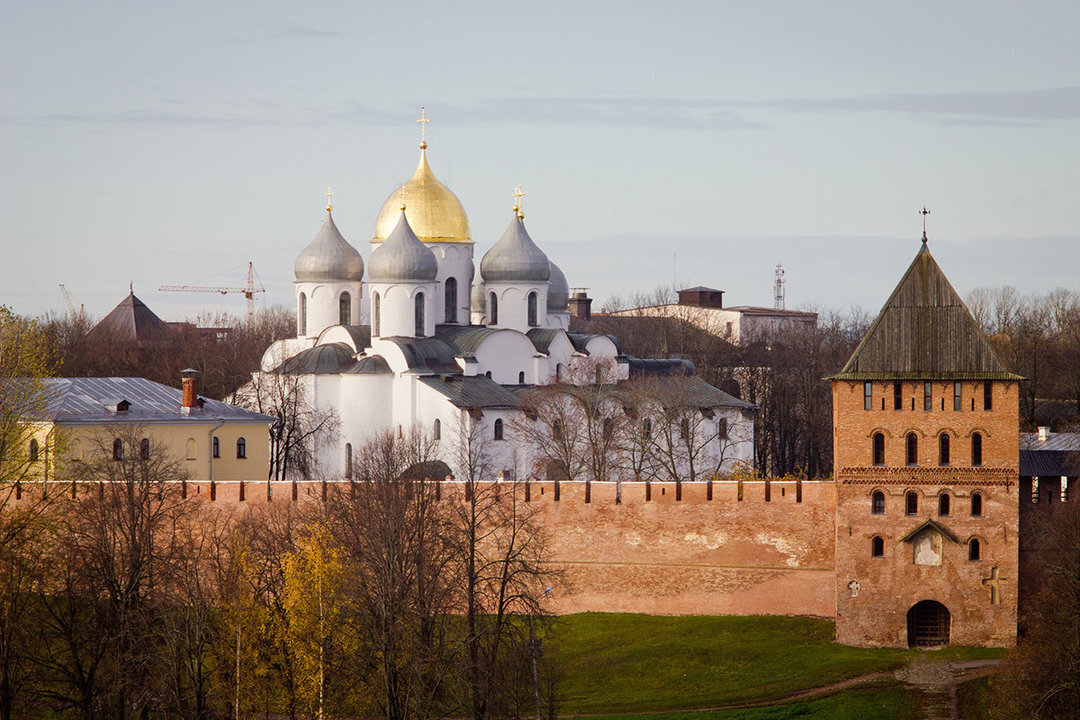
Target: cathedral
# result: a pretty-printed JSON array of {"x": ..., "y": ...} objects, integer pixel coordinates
[{"x": 414, "y": 339}]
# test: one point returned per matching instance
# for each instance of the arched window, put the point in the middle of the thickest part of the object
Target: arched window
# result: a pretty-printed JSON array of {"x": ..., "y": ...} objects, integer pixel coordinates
[
  {"x": 722, "y": 428},
  {"x": 498, "y": 429},
  {"x": 521, "y": 378},
  {"x": 556, "y": 430},
  {"x": 943, "y": 449},
  {"x": 558, "y": 372},
  {"x": 609, "y": 429},
  {"x": 976, "y": 450},
  {"x": 144, "y": 449},
  {"x": 878, "y": 503},
  {"x": 377, "y": 313},
  {"x": 684, "y": 429},
  {"x": 879, "y": 449},
  {"x": 241, "y": 448},
  {"x": 877, "y": 547},
  {"x": 450, "y": 300},
  {"x": 33, "y": 450},
  {"x": 419, "y": 329},
  {"x": 437, "y": 432},
  {"x": 974, "y": 549},
  {"x": 493, "y": 309},
  {"x": 118, "y": 449},
  {"x": 912, "y": 449},
  {"x": 532, "y": 309},
  {"x": 646, "y": 427},
  {"x": 301, "y": 314},
  {"x": 348, "y": 461},
  {"x": 217, "y": 448},
  {"x": 191, "y": 448},
  {"x": 943, "y": 504},
  {"x": 911, "y": 504},
  {"x": 976, "y": 505},
  {"x": 76, "y": 450},
  {"x": 345, "y": 309}
]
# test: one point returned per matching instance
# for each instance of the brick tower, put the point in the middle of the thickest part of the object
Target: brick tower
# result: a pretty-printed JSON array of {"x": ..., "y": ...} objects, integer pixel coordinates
[{"x": 925, "y": 438}]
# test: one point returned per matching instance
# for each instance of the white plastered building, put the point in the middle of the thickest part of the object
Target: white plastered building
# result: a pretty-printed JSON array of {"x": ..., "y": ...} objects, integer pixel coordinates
[{"x": 424, "y": 344}]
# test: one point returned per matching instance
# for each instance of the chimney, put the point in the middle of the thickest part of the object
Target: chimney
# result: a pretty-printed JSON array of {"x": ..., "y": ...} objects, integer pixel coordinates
[
  {"x": 581, "y": 306},
  {"x": 1044, "y": 433},
  {"x": 189, "y": 397}
]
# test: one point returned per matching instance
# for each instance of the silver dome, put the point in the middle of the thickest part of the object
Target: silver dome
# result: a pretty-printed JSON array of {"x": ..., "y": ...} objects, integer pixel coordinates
[
  {"x": 559, "y": 291},
  {"x": 479, "y": 298},
  {"x": 402, "y": 257},
  {"x": 328, "y": 257},
  {"x": 515, "y": 258}
]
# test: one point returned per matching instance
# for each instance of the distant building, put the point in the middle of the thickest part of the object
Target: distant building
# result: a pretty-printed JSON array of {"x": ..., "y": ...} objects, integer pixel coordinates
[
  {"x": 703, "y": 307},
  {"x": 132, "y": 322}
]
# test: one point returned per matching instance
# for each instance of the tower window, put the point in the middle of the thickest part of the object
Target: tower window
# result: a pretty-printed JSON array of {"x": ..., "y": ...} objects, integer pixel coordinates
[
  {"x": 499, "y": 429},
  {"x": 493, "y": 309},
  {"x": 928, "y": 396},
  {"x": 556, "y": 430},
  {"x": 956, "y": 406},
  {"x": 722, "y": 428},
  {"x": 450, "y": 300},
  {"x": 532, "y": 309},
  {"x": 437, "y": 432},
  {"x": 521, "y": 378},
  {"x": 877, "y": 547},
  {"x": 118, "y": 449},
  {"x": 912, "y": 449},
  {"x": 974, "y": 550},
  {"x": 911, "y": 504},
  {"x": 988, "y": 395},
  {"x": 976, "y": 505},
  {"x": 877, "y": 504},
  {"x": 33, "y": 450},
  {"x": 376, "y": 313},
  {"x": 976, "y": 450},
  {"x": 879, "y": 449},
  {"x": 301, "y": 314},
  {"x": 348, "y": 460},
  {"x": 943, "y": 504},
  {"x": 419, "y": 329},
  {"x": 241, "y": 448},
  {"x": 684, "y": 429},
  {"x": 345, "y": 309},
  {"x": 897, "y": 395},
  {"x": 144, "y": 449},
  {"x": 943, "y": 449},
  {"x": 868, "y": 396},
  {"x": 217, "y": 448}
]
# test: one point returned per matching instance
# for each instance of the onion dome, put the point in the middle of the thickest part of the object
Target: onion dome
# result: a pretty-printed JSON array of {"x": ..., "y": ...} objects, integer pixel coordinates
[
  {"x": 434, "y": 212},
  {"x": 402, "y": 257},
  {"x": 328, "y": 257},
  {"x": 479, "y": 298},
  {"x": 515, "y": 258},
  {"x": 559, "y": 292}
]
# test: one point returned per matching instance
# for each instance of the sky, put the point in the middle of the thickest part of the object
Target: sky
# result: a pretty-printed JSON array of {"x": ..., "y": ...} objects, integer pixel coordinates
[{"x": 658, "y": 143}]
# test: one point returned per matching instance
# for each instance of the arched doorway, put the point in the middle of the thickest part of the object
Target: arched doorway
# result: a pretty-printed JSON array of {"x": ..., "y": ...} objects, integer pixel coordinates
[{"x": 928, "y": 624}]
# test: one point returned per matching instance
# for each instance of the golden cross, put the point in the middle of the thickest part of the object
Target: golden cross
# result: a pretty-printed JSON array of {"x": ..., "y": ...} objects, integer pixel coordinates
[
  {"x": 518, "y": 194},
  {"x": 329, "y": 194},
  {"x": 402, "y": 198},
  {"x": 423, "y": 120}
]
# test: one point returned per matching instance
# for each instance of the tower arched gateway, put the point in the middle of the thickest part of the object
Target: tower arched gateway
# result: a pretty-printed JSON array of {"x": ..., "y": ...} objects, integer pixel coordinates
[
  {"x": 925, "y": 368},
  {"x": 928, "y": 624}
]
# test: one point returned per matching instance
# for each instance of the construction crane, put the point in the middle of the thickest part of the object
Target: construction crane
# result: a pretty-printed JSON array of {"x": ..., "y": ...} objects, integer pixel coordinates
[
  {"x": 248, "y": 290},
  {"x": 67, "y": 299}
]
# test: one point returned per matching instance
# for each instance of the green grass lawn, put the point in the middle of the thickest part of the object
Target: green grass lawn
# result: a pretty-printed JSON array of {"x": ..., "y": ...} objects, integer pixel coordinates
[{"x": 620, "y": 662}]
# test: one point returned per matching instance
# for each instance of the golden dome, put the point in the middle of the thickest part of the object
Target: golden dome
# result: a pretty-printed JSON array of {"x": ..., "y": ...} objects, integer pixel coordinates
[{"x": 434, "y": 212}]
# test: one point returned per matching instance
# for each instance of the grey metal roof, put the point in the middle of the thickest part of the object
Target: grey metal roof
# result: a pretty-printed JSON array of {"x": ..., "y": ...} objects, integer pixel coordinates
[
  {"x": 360, "y": 334},
  {"x": 132, "y": 321},
  {"x": 465, "y": 340},
  {"x": 924, "y": 331},
  {"x": 580, "y": 340},
  {"x": 371, "y": 365},
  {"x": 428, "y": 355},
  {"x": 86, "y": 400},
  {"x": 543, "y": 337},
  {"x": 329, "y": 257},
  {"x": 477, "y": 391},
  {"x": 319, "y": 360},
  {"x": 515, "y": 257},
  {"x": 402, "y": 257},
  {"x": 1049, "y": 463},
  {"x": 692, "y": 391},
  {"x": 559, "y": 291},
  {"x": 652, "y": 367},
  {"x": 1056, "y": 441}
]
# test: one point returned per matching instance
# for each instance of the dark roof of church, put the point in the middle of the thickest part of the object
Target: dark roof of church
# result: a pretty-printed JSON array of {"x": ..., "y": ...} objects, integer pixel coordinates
[
  {"x": 924, "y": 332},
  {"x": 475, "y": 391},
  {"x": 319, "y": 360},
  {"x": 427, "y": 355},
  {"x": 133, "y": 321}
]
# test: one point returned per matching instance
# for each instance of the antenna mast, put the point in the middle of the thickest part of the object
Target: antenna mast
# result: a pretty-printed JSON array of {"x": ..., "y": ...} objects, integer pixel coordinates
[{"x": 778, "y": 288}]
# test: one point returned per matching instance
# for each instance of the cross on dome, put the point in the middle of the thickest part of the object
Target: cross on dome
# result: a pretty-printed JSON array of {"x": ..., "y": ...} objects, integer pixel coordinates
[
  {"x": 518, "y": 195},
  {"x": 329, "y": 194},
  {"x": 423, "y": 120},
  {"x": 924, "y": 212}
]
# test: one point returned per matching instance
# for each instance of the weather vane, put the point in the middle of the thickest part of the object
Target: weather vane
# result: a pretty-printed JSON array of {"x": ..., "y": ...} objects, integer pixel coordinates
[
  {"x": 423, "y": 120},
  {"x": 924, "y": 212},
  {"x": 329, "y": 194}
]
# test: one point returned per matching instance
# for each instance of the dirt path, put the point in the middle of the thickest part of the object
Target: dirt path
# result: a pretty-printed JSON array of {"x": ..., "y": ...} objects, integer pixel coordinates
[{"x": 934, "y": 683}]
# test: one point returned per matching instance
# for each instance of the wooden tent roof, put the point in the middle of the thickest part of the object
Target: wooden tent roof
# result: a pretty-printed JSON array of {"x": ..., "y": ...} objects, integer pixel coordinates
[{"x": 924, "y": 332}]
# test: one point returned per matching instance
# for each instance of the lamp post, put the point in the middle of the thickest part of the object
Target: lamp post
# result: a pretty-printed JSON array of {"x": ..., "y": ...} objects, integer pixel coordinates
[{"x": 535, "y": 650}]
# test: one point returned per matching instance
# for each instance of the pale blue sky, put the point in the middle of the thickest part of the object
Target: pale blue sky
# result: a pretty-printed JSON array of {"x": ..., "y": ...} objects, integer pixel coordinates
[{"x": 166, "y": 143}]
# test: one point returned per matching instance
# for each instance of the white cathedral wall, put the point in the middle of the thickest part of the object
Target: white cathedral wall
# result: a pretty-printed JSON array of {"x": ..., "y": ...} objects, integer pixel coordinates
[
  {"x": 398, "y": 307},
  {"x": 558, "y": 320},
  {"x": 455, "y": 260},
  {"x": 323, "y": 309},
  {"x": 513, "y": 305},
  {"x": 504, "y": 355}
]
